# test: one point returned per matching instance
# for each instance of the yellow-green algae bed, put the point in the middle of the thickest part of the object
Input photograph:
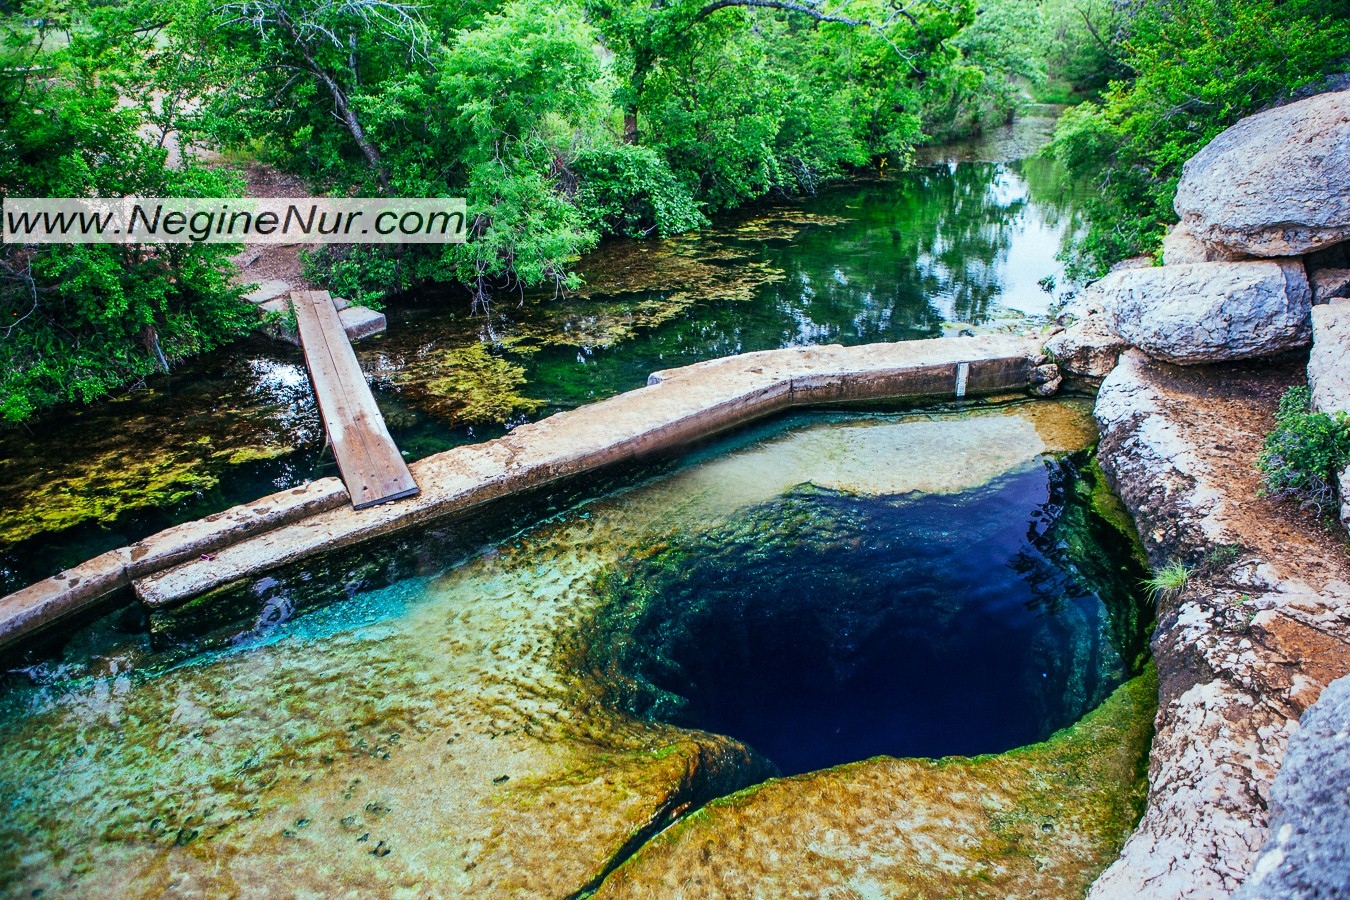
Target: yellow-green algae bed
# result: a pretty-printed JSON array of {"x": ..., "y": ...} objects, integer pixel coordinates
[{"x": 447, "y": 735}]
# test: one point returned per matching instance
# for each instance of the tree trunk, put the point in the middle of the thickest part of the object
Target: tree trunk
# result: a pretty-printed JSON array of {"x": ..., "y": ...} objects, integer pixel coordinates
[
  {"x": 630, "y": 129},
  {"x": 345, "y": 112}
]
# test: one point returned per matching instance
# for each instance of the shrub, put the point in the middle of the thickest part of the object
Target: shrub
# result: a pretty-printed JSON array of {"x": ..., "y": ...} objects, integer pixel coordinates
[{"x": 1304, "y": 452}]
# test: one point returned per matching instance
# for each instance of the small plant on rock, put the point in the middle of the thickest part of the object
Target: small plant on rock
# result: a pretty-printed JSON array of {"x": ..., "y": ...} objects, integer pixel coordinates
[
  {"x": 1304, "y": 452},
  {"x": 1169, "y": 581}
]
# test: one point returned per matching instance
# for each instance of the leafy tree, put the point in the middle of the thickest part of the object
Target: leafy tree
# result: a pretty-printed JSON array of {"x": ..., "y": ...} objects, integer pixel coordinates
[{"x": 77, "y": 321}]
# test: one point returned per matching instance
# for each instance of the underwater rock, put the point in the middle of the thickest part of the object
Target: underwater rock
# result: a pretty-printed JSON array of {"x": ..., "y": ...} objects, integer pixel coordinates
[{"x": 1040, "y": 821}]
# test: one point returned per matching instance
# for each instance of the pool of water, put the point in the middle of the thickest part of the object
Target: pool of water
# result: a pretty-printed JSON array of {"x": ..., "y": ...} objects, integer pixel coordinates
[
  {"x": 948, "y": 247},
  {"x": 898, "y": 583}
]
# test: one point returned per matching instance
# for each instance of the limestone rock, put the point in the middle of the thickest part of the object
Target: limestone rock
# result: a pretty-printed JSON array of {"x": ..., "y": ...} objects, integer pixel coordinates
[
  {"x": 1329, "y": 375},
  {"x": 1087, "y": 349},
  {"x": 1180, "y": 247},
  {"x": 1329, "y": 285},
  {"x": 361, "y": 322},
  {"x": 1241, "y": 652},
  {"x": 1308, "y": 852},
  {"x": 1211, "y": 312},
  {"x": 1045, "y": 380},
  {"x": 1034, "y": 822},
  {"x": 1276, "y": 183},
  {"x": 1133, "y": 262}
]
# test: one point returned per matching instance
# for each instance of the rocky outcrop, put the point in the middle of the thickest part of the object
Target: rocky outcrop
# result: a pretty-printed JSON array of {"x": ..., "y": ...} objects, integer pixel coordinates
[
  {"x": 1276, "y": 183},
  {"x": 1329, "y": 375},
  {"x": 1244, "y": 648},
  {"x": 1308, "y": 853},
  {"x": 1210, "y": 312},
  {"x": 1087, "y": 349}
]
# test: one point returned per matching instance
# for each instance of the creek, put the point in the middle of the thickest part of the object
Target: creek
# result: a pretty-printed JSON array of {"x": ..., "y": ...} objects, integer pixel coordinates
[{"x": 949, "y": 246}]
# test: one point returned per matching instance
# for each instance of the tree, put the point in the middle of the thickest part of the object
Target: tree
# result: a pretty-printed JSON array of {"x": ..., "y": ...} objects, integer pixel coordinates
[{"x": 77, "y": 321}]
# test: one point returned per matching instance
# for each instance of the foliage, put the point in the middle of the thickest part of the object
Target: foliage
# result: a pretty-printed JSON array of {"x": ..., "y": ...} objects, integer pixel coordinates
[
  {"x": 1196, "y": 67},
  {"x": 1168, "y": 581},
  {"x": 1304, "y": 452},
  {"x": 80, "y": 320}
]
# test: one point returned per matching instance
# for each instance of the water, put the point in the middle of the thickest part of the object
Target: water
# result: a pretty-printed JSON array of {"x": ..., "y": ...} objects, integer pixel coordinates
[
  {"x": 949, "y": 247},
  {"x": 392, "y": 736},
  {"x": 824, "y": 627}
]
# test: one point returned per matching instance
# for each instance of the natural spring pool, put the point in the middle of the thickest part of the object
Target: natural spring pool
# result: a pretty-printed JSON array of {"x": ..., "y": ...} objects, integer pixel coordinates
[{"x": 521, "y": 707}]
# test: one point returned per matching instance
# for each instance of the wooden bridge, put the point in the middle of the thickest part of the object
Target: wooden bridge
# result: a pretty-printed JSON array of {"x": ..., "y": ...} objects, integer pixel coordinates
[{"x": 370, "y": 462}]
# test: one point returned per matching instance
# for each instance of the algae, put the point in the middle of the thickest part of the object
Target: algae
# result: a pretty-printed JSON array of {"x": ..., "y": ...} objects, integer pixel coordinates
[
  {"x": 1042, "y": 820},
  {"x": 468, "y": 386}
]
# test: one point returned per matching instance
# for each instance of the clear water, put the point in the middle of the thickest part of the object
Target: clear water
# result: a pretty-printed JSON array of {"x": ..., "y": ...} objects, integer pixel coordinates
[
  {"x": 825, "y": 627},
  {"x": 946, "y": 247},
  {"x": 370, "y": 737}
]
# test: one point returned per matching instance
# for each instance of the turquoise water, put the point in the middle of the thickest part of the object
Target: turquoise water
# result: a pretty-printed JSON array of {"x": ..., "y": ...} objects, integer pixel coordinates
[{"x": 452, "y": 731}]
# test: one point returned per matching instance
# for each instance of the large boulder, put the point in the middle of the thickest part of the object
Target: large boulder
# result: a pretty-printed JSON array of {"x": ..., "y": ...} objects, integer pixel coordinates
[
  {"x": 1276, "y": 183},
  {"x": 1330, "y": 377},
  {"x": 1180, "y": 247},
  {"x": 1308, "y": 852},
  {"x": 1211, "y": 312}
]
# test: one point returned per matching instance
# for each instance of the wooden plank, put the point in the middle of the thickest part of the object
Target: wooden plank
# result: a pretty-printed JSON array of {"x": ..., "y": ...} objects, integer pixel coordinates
[{"x": 370, "y": 462}]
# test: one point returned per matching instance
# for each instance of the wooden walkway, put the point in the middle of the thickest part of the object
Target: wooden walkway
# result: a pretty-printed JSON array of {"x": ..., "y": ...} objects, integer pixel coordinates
[{"x": 370, "y": 462}]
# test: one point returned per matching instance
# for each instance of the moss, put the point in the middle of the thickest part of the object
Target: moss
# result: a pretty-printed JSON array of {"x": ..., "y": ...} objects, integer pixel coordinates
[
  {"x": 1041, "y": 820},
  {"x": 470, "y": 386},
  {"x": 1110, "y": 507}
]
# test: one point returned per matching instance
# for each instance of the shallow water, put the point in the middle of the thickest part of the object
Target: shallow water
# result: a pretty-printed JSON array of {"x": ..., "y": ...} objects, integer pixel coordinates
[
  {"x": 942, "y": 248},
  {"x": 378, "y": 737}
]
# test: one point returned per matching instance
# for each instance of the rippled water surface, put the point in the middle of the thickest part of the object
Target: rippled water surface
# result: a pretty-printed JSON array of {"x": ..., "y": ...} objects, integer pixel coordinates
[{"x": 904, "y": 563}]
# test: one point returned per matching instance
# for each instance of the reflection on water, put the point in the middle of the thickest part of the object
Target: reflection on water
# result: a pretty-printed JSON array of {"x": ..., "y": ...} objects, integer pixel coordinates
[{"x": 926, "y": 252}]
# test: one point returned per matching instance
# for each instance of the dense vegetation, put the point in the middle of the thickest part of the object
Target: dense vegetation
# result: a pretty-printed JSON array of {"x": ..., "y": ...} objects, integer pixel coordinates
[
  {"x": 1191, "y": 68},
  {"x": 561, "y": 123}
]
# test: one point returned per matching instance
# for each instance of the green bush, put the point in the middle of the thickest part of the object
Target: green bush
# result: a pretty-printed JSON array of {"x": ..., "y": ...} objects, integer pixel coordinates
[{"x": 1304, "y": 452}]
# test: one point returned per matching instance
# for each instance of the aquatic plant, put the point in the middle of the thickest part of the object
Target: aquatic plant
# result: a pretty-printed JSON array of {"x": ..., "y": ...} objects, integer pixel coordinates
[{"x": 478, "y": 387}]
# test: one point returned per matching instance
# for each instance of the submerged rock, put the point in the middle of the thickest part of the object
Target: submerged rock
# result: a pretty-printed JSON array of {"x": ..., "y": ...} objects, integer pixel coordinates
[
  {"x": 1210, "y": 312},
  {"x": 1275, "y": 184},
  {"x": 1308, "y": 853},
  {"x": 1040, "y": 821}
]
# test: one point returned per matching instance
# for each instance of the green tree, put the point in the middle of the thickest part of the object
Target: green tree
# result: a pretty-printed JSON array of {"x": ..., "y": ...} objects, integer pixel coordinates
[
  {"x": 77, "y": 321},
  {"x": 1196, "y": 67}
]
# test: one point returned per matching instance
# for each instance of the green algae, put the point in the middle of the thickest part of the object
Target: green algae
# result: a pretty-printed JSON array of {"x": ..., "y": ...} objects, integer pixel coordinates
[
  {"x": 1041, "y": 820},
  {"x": 469, "y": 386}
]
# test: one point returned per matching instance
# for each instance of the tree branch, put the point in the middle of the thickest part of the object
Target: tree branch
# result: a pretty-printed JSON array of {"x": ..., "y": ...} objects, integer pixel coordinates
[{"x": 811, "y": 11}]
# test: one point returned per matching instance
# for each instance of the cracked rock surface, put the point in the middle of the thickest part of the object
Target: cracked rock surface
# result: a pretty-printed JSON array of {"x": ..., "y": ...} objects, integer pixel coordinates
[
  {"x": 1210, "y": 312},
  {"x": 1262, "y": 626}
]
